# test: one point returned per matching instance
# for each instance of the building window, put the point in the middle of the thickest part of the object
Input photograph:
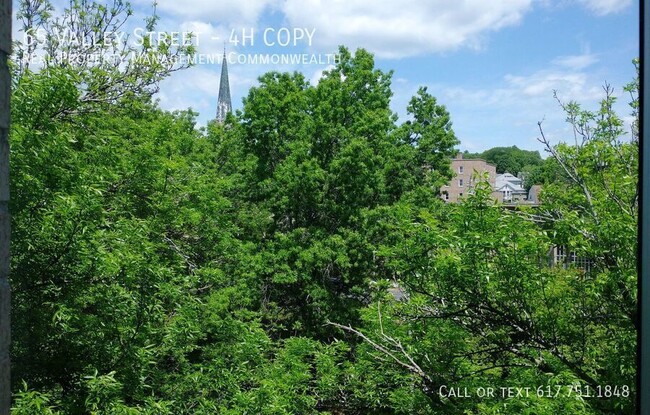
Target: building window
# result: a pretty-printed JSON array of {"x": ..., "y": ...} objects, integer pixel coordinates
[
  {"x": 460, "y": 169},
  {"x": 561, "y": 256},
  {"x": 460, "y": 194},
  {"x": 460, "y": 183}
]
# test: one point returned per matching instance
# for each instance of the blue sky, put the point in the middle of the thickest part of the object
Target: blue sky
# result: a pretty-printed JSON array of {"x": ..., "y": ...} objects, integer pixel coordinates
[{"x": 493, "y": 64}]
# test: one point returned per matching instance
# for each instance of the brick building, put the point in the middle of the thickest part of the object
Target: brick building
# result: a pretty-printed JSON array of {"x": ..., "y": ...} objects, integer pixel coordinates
[{"x": 466, "y": 171}]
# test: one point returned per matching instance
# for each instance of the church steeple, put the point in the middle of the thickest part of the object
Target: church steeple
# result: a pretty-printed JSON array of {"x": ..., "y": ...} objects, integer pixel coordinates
[{"x": 224, "y": 106}]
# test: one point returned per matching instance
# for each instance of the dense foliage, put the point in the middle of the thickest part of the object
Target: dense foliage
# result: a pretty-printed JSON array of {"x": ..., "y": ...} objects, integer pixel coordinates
[
  {"x": 509, "y": 159},
  {"x": 297, "y": 259}
]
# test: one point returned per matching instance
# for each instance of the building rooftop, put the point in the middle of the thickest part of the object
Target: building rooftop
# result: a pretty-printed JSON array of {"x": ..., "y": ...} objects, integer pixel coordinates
[{"x": 513, "y": 182}]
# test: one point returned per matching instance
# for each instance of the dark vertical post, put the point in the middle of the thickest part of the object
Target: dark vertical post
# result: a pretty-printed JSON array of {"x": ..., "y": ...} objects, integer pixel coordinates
[
  {"x": 644, "y": 219},
  {"x": 5, "y": 221}
]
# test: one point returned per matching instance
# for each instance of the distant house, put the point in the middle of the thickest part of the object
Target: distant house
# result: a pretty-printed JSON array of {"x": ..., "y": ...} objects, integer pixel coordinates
[
  {"x": 533, "y": 193},
  {"x": 511, "y": 187},
  {"x": 465, "y": 173}
]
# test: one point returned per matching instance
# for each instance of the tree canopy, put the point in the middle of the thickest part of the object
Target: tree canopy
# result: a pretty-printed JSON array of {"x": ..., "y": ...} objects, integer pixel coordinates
[
  {"x": 298, "y": 259},
  {"x": 508, "y": 159}
]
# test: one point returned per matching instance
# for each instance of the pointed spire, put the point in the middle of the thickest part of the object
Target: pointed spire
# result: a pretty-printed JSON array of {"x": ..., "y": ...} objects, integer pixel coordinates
[{"x": 224, "y": 106}]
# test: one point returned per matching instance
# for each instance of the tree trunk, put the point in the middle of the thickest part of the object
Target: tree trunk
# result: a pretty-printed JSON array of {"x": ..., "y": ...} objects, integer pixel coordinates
[{"x": 5, "y": 221}]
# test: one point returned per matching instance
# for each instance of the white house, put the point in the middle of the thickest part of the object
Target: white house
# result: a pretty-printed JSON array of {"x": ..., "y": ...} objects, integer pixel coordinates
[{"x": 512, "y": 187}]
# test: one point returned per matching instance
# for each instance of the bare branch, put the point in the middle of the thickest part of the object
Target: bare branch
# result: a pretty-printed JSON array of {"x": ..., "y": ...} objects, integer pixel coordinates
[
  {"x": 571, "y": 172},
  {"x": 410, "y": 365}
]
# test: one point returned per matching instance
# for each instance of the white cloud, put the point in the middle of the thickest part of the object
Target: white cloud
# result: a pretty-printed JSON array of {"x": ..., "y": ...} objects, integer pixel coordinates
[
  {"x": 576, "y": 62},
  {"x": 604, "y": 7},
  {"x": 209, "y": 39},
  {"x": 543, "y": 83},
  {"x": 388, "y": 28},
  {"x": 194, "y": 87},
  {"x": 397, "y": 29},
  {"x": 565, "y": 74},
  {"x": 219, "y": 12}
]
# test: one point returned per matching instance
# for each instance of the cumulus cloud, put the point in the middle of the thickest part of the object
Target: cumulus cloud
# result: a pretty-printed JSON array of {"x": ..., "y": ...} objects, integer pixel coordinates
[
  {"x": 208, "y": 38},
  {"x": 408, "y": 28},
  {"x": 241, "y": 12},
  {"x": 388, "y": 28}
]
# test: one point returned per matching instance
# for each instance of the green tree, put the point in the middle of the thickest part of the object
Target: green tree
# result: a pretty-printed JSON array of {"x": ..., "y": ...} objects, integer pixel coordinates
[
  {"x": 121, "y": 222},
  {"x": 86, "y": 37},
  {"x": 323, "y": 155},
  {"x": 176, "y": 271},
  {"x": 5, "y": 221},
  {"x": 483, "y": 305},
  {"x": 509, "y": 159}
]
